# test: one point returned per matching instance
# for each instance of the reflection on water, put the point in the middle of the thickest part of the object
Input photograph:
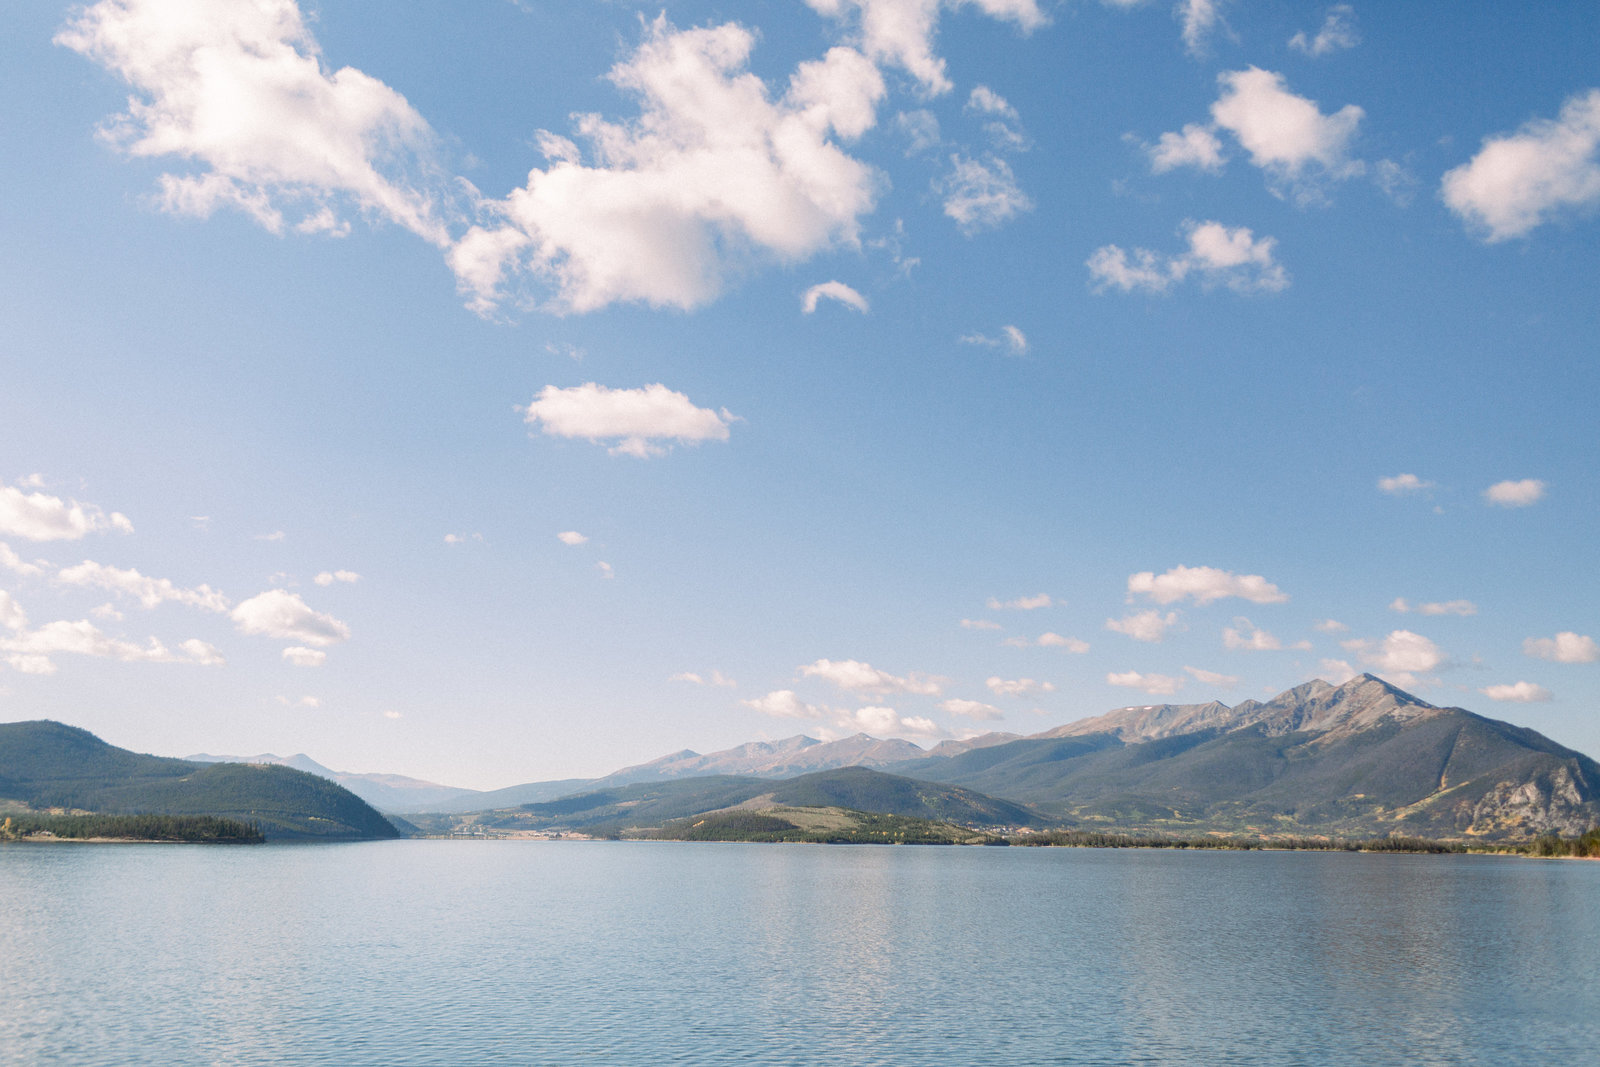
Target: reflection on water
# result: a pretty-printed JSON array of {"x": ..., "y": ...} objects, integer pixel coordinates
[{"x": 421, "y": 952}]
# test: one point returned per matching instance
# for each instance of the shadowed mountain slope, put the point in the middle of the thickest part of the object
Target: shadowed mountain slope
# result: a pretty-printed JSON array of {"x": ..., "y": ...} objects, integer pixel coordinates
[{"x": 49, "y": 765}]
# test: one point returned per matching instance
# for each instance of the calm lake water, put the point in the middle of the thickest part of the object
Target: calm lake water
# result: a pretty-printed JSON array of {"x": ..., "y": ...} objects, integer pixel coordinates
[{"x": 565, "y": 953}]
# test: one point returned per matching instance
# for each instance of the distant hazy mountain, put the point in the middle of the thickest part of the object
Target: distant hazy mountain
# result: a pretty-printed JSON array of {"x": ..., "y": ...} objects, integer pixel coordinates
[
  {"x": 49, "y": 765},
  {"x": 386, "y": 792},
  {"x": 769, "y": 759},
  {"x": 1359, "y": 758}
]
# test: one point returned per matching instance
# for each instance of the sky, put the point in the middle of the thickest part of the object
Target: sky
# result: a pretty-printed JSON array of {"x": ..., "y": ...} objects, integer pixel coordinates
[{"x": 494, "y": 391}]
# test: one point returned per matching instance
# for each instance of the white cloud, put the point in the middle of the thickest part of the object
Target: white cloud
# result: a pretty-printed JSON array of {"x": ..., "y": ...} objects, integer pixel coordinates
[
  {"x": 29, "y": 651},
  {"x": 836, "y": 291},
  {"x": 1017, "y": 687},
  {"x": 1245, "y": 636},
  {"x": 986, "y": 101},
  {"x": 1203, "y": 585},
  {"x": 1286, "y": 135},
  {"x": 981, "y": 194},
  {"x": 713, "y": 176},
  {"x": 716, "y": 678},
  {"x": 1200, "y": 19},
  {"x": 1022, "y": 603},
  {"x": 887, "y": 722},
  {"x": 1515, "y": 494},
  {"x": 1217, "y": 255},
  {"x": 972, "y": 709},
  {"x": 605, "y": 569},
  {"x": 1221, "y": 681},
  {"x": 1338, "y": 32},
  {"x": 281, "y": 614},
  {"x": 1446, "y": 607},
  {"x": 41, "y": 517},
  {"x": 275, "y": 535},
  {"x": 1518, "y": 693},
  {"x": 1401, "y": 653},
  {"x": 460, "y": 539},
  {"x": 12, "y": 617},
  {"x": 391, "y": 714},
  {"x": 202, "y": 652},
  {"x": 150, "y": 592},
  {"x": 1010, "y": 338},
  {"x": 920, "y": 129},
  {"x": 301, "y": 656},
  {"x": 1519, "y": 181},
  {"x": 1149, "y": 626},
  {"x": 1337, "y": 671},
  {"x": 329, "y": 577},
  {"x": 107, "y": 611},
  {"x": 240, "y": 91},
  {"x": 1154, "y": 684},
  {"x": 1401, "y": 484},
  {"x": 1194, "y": 146},
  {"x": 979, "y": 624},
  {"x": 1564, "y": 647},
  {"x": 855, "y": 676},
  {"x": 16, "y": 564},
  {"x": 571, "y": 537},
  {"x": 900, "y": 33},
  {"x": 636, "y": 418},
  {"x": 1071, "y": 644},
  {"x": 1330, "y": 626}
]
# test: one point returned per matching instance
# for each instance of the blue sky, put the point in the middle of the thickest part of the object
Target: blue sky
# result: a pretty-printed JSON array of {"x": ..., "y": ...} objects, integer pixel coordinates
[{"x": 494, "y": 391}]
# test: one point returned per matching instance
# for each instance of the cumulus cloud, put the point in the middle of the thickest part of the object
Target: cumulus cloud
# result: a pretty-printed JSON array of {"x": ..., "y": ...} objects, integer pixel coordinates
[
  {"x": 240, "y": 92},
  {"x": 1200, "y": 19},
  {"x": 1338, "y": 32},
  {"x": 637, "y": 419},
  {"x": 150, "y": 592},
  {"x": 1518, "y": 693},
  {"x": 30, "y": 651},
  {"x": 571, "y": 537},
  {"x": 605, "y": 569},
  {"x": 972, "y": 709},
  {"x": 1286, "y": 135},
  {"x": 1022, "y": 603},
  {"x": 1437, "y": 607},
  {"x": 12, "y": 617},
  {"x": 1154, "y": 684},
  {"x": 1203, "y": 585},
  {"x": 920, "y": 128},
  {"x": 1564, "y": 647},
  {"x": 715, "y": 678},
  {"x": 1517, "y": 494},
  {"x": 713, "y": 176},
  {"x": 855, "y": 676},
  {"x": 1010, "y": 338},
  {"x": 1017, "y": 687},
  {"x": 40, "y": 517},
  {"x": 1217, "y": 255},
  {"x": 879, "y": 721},
  {"x": 838, "y": 292},
  {"x": 1402, "y": 655},
  {"x": 281, "y": 614},
  {"x": 1329, "y": 626},
  {"x": 1245, "y": 636},
  {"x": 1401, "y": 484},
  {"x": 329, "y": 577},
  {"x": 16, "y": 564},
  {"x": 981, "y": 194},
  {"x": 979, "y": 624},
  {"x": 986, "y": 101},
  {"x": 900, "y": 33},
  {"x": 1149, "y": 626},
  {"x": 300, "y": 656},
  {"x": 1519, "y": 181},
  {"x": 1194, "y": 146},
  {"x": 1221, "y": 681},
  {"x": 1070, "y": 644},
  {"x": 1337, "y": 671}
]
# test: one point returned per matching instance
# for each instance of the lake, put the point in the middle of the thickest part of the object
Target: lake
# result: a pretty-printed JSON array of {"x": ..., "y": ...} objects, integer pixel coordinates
[{"x": 567, "y": 953}]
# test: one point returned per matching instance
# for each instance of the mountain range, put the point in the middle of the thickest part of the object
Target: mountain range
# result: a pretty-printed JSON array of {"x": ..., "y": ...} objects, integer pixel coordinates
[{"x": 1360, "y": 758}]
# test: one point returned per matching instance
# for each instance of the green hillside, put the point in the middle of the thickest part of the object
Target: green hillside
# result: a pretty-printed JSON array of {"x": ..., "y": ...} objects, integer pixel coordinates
[
  {"x": 49, "y": 765},
  {"x": 610, "y": 812}
]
